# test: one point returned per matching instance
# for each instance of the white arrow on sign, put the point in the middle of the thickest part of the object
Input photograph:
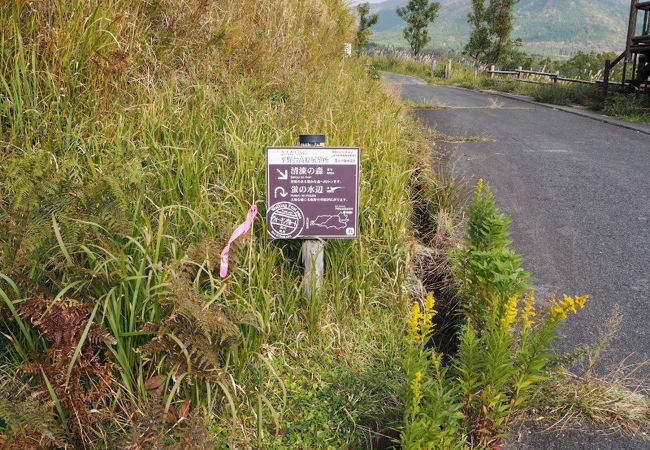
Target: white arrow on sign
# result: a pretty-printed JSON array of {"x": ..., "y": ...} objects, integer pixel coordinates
[
  {"x": 283, "y": 175},
  {"x": 283, "y": 193}
]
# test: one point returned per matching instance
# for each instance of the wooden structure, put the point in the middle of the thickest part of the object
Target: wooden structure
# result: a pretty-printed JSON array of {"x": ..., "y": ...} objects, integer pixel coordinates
[
  {"x": 636, "y": 57},
  {"x": 554, "y": 77}
]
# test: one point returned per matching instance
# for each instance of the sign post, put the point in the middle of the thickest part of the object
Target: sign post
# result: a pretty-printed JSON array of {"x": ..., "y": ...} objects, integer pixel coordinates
[{"x": 312, "y": 194}]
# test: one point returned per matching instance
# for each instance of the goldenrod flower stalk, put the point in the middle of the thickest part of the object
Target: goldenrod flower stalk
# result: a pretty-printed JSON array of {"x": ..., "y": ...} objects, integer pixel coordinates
[
  {"x": 479, "y": 186},
  {"x": 420, "y": 325},
  {"x": 414, "y": 320},
  {"x": 510, "y": 313},
  {"x": 529, "y": 310},
  {"x": 559, "y": 310},
  {"x": 416, "y": 390},
  {"x": 429, "y": 314},
  {"x": 429, "y": 304}
]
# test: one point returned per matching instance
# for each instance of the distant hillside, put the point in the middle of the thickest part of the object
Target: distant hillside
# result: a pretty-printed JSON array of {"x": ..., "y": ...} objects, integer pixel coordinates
[{"x": 546, "y": 26}]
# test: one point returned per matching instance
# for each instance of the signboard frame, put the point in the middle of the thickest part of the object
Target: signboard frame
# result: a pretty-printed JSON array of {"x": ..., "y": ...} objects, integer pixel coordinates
[{"x": 271, "y": 203}]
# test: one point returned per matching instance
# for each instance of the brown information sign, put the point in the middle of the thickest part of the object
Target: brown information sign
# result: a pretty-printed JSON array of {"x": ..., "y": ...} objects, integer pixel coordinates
[{"x": 312, "y": 192}]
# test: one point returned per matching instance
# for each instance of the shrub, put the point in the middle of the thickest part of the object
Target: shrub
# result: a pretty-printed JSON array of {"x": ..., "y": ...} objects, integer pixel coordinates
[
  {"x": 504, "y": 343},
  {"x": 628, "y": 107}
]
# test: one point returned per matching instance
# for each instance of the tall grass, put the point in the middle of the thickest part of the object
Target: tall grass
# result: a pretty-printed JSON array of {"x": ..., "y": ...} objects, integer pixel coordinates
[{"x": 132, "y": 139}]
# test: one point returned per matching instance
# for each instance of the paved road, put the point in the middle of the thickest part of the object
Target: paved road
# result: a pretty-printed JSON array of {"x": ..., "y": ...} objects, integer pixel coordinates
[{"x": 578, "y": 191}]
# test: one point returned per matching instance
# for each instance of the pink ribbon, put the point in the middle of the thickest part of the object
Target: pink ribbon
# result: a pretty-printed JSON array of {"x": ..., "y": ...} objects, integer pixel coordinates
[{"x": 240, "y": 230}]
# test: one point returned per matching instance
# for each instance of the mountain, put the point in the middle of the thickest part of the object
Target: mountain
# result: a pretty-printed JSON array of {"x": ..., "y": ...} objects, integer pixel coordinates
[{"x": 549, "y": 27}]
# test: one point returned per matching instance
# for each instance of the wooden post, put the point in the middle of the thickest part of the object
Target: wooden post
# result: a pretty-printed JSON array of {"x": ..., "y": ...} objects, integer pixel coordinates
[
  {"x": 313, "y": 250},
  {"x": 557, "y": 74},
  {"x": 433, "y": 68},
  {"x": 448, "y": 69},
  {"x": 606, "y": 78},
  {"x": 313, "y": 268},
  {"x": 519, "y": 69},
  {"x": 492, "y": 68}
]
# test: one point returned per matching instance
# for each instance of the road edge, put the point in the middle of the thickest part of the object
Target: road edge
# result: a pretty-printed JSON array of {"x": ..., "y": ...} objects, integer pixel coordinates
[
  {"x": 639, "y": 128},
  {"x": 634, "y": 126}
]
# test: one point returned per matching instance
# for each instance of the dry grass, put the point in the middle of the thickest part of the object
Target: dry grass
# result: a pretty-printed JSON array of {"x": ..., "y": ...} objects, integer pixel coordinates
[
  {"x": 616, "y": 398},
  {"x": 617, "y": 401}
]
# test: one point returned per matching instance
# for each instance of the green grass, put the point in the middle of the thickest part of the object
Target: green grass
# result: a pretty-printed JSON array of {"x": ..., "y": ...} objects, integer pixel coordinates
[
  {"x": 412, "y": 68},
  {"x": 629, "y": 107},
  {"x": 132, "y": 139},
  {"x": 560, "y": 94}
]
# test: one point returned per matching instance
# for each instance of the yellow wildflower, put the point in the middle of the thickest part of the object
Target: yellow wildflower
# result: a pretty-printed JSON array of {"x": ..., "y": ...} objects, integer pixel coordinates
[
  {"x": 429, "y": 304},
  {"x": 529, "y": 310},
  {"x": 581, "y": 301},
  {"x": 559, "y": 310},
  {"x": 429, "y": 314},
  {"x": 416, "y": 391},
  {"x": 479, "y": 186},
  {"x": 414, "y": 319},
  {"x": 510, "y": 313}
]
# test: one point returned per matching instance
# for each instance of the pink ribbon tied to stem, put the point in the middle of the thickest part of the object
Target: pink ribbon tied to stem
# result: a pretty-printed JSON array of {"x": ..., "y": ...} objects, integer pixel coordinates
[{"x": 239, "y": 231}]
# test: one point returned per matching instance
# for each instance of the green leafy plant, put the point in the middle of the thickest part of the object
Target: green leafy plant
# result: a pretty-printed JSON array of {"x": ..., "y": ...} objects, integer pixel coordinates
[
  {"x": 418, "y": 15},
  {"x": 487, "y": 267},
  {"x": 504, "y": 343},
  {"x": 489, "y": 41},
  {"x": 432, "y": 415},
  {"x": 366, "y": 20}
]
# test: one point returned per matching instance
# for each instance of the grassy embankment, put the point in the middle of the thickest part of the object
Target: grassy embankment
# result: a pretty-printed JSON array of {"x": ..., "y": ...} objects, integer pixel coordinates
[
  {"x": 132, "y": 141},
  {"x": 626, "y": 107},
  {"x": 133, "y": 138}
]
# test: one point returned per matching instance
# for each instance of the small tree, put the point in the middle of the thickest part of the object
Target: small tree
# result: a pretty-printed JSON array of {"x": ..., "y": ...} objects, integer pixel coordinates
[
  {"x": 366, "y": 20},
  {"x": 490, "y": 40},
  {"x": 418, "y": 14}
]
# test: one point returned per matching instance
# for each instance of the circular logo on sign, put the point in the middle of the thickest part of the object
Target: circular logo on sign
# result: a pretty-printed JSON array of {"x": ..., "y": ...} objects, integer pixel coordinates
[{"x": 285, "y": 220}]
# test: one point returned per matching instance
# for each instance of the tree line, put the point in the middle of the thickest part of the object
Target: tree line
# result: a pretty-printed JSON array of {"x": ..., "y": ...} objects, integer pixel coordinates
[{"x": 489, "y": 41}]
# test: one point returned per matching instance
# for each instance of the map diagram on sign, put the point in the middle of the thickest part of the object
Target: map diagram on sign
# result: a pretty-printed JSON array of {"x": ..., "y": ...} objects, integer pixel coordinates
[{"x": 337, "y": 222}]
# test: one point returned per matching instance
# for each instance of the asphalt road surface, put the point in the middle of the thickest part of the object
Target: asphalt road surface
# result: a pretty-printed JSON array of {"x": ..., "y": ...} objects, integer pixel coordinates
[{"x": 578, "y": 192}]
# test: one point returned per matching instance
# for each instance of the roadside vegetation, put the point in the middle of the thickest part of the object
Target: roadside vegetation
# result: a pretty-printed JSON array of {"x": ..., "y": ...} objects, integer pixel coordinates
[
  {"x": 503, "y": 340},
  {"x": 465, "y": 74},
  {"x": 478, "y": 360},
  {"x": 132, "y": 141}
]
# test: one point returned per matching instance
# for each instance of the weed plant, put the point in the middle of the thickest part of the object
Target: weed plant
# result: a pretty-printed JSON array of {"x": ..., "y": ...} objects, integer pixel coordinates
[
  {"x": 504, "y": 343},
  {"x": 628, "y": 107}
]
